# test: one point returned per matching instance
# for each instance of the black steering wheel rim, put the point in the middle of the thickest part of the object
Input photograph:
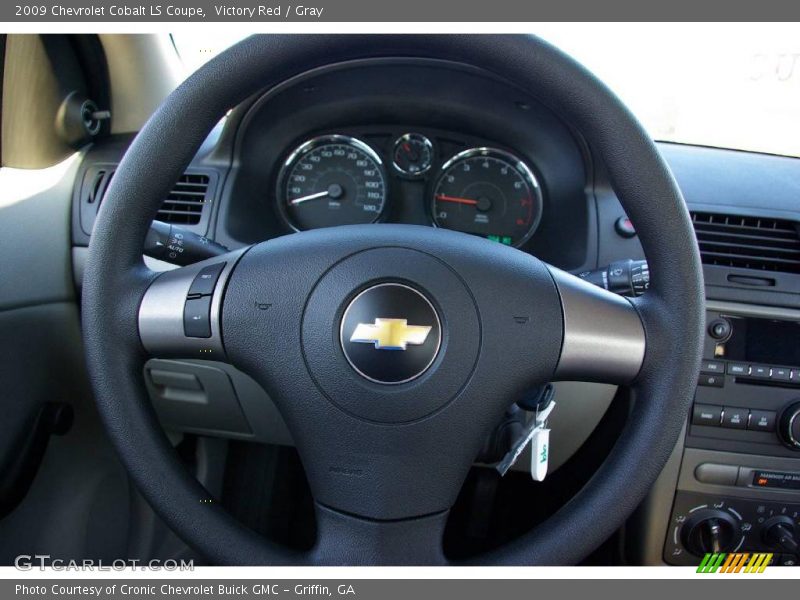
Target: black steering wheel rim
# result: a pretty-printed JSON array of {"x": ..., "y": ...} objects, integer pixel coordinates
[{"x": 116, "y": 281}]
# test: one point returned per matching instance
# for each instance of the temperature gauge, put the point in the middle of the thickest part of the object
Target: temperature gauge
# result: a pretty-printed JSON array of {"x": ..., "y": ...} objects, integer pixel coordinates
[{"x": 412, "y": 155}]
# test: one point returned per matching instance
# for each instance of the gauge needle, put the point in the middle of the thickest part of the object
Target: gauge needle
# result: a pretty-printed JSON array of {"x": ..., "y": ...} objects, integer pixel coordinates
[
  {"x": 302, "y": 199},
  {"x": 444, "y": 198},
  {"x": 412, "y": 156}
]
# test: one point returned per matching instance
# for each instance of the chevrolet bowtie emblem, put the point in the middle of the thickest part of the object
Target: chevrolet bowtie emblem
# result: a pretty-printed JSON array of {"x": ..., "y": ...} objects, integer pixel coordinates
[{"x": 390, "y": 334}]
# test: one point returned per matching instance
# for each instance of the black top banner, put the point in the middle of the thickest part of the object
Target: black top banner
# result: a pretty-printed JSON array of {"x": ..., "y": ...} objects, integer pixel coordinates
[{"x": 464, "y": 11}]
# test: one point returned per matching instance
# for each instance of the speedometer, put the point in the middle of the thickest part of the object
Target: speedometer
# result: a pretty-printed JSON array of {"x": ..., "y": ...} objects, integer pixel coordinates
[
  {"x": 332, "y": 180},
  {"x": 490, "y": 193}
]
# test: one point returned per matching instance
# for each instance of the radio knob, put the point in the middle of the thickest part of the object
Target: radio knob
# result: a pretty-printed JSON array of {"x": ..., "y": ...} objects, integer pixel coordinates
[
  {"x": 789, "y": 426},
  {"x": 720, "y": 329},
  {"x": 709, "y": 531}
]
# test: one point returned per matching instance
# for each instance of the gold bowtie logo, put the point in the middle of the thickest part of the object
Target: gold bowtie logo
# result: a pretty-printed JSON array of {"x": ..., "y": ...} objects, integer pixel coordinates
[{"x": 390, "y": 334}]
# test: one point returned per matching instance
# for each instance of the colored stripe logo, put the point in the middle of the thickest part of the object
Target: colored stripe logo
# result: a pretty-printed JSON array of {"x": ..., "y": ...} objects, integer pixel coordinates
[{"x": 737, "y": 562}]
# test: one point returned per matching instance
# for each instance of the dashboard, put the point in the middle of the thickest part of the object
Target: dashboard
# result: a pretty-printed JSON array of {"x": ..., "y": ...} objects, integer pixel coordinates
[
  {"x": 445, "y": 145},
  {"x": 408, "y": 141}
]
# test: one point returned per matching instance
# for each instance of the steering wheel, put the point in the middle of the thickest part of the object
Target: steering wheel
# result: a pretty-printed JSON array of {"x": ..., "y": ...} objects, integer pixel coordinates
[{"x": 386, "y": 347}]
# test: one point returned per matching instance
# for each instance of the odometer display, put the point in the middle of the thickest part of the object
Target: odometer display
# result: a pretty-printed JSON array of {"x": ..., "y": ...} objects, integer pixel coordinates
[
  {"x": 332, "y": 180},
  {"x": 490, "y": 193}
]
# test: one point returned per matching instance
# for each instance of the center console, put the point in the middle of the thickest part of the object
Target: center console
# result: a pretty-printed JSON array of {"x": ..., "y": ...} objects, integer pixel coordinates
[{"x": 738, "y": 487}]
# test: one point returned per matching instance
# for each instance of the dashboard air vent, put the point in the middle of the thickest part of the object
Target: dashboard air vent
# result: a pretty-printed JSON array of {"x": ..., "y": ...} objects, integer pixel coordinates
[
  {"x": 98, "y": 185},
  {"x": 184, "y": 205},
  {"x": 748, "y": 242}
]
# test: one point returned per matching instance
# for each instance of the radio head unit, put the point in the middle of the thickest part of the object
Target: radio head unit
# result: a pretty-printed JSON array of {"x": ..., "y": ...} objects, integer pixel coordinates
[
  {"x": 748, "y": 394},
  {"x": 760, "y": 341}
]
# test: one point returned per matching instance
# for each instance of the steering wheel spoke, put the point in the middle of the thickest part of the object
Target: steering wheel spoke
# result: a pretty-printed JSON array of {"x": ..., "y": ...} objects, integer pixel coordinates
[
  {"x": 179, "y": 316},
  {"x": 604, "y": 337}
]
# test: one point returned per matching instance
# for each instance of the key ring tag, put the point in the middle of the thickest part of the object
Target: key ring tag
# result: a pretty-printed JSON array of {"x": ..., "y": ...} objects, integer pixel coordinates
[
  {"x": 540, "y": 444},
  {"x": 532, "y": 431}
]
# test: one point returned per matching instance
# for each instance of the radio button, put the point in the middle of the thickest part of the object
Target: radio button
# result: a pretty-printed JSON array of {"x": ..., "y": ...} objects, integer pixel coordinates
[
  {"x": 738, "y": 369},
  {"x": 781, "y": 373},
  {"x": 707, "y": 414},
  {"x": 735, "y": 418},
  {"x": 712, "y": 366},
  {"x": 760, "y": 371},
  {"x": 762, "y": 420},
  {"x": 711, "y": 380},
  {"x": 206, "y": 279},
  {"x": 197, "y": 317}
]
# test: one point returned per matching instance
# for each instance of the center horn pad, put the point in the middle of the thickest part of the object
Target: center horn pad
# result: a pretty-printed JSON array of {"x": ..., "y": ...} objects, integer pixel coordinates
[{"x": 391, "y": 335}]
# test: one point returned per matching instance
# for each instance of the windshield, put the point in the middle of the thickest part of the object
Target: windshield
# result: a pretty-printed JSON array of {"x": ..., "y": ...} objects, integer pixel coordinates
[{"x": 725, "y": 85}]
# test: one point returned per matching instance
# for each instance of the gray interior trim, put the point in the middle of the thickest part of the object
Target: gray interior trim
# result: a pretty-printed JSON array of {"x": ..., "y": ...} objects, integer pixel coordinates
[
  {"x": 693, "y": 457},
  {"x": 77, "y": 504},
  {"x": 754, "y": 310},
  {"x": 648, "y": 526},
  {"x": 579, "y": 408},
  {"x": 603, "y": 335},
  {"x": 34, "y": 228},
  {"x": 264, "y": 420}
]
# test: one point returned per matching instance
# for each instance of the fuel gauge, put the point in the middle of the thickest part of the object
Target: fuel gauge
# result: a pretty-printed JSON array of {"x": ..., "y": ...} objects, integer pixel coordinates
[{"x": 412, "y": 155}]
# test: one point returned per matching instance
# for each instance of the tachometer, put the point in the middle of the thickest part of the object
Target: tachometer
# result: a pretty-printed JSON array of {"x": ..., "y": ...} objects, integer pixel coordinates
[
  {"x": 332, "y": 180},
  {"x": 490, "y": 193}
]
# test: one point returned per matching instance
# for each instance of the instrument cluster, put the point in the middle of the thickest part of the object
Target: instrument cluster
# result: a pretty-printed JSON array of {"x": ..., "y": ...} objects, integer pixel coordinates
[{"x": 338, "y": 179}]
